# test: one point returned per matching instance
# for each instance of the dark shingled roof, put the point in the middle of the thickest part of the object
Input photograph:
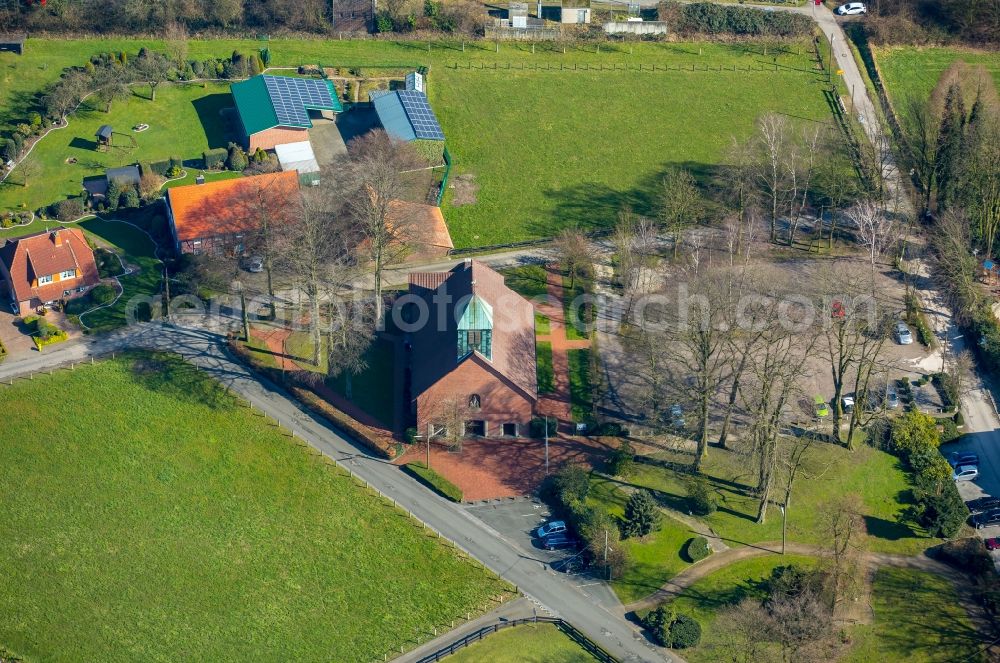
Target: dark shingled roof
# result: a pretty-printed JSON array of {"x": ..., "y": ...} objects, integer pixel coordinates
[{"x": 435, "y": 344}]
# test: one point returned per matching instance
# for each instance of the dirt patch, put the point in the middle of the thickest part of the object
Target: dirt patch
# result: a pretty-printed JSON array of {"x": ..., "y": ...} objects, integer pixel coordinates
[{"x": 465, "y": 189}]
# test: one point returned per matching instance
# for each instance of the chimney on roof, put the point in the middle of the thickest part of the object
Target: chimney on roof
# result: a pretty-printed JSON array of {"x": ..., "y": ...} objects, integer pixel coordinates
[{"x": 57, "y": 238}]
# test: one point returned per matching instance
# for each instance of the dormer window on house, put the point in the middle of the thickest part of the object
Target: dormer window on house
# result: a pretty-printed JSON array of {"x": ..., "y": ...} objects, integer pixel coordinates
[
  {"x": 44, "y": 280},
  {"x": 68, "y": 274},
  {"x": 475, "y": 328}
]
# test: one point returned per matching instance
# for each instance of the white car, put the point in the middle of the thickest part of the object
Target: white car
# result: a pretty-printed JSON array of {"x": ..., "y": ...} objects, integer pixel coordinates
[
  {"x": 965, "y": 473},
  {"x": 903, "y": 334},
  {"x": 851, "y": 9}
]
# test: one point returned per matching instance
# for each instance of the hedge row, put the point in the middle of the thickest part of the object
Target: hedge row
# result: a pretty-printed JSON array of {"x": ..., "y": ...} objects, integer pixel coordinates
[
  {"x": 215, "y": 159},
  {"x": 318, "y": 405},
  {"x": 712, "y": 19},
  {"x": 434, "y": 481}
]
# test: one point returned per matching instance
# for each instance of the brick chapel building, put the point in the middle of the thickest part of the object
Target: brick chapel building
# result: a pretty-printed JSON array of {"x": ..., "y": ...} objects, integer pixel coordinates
[{"x": 472, "y": 344}]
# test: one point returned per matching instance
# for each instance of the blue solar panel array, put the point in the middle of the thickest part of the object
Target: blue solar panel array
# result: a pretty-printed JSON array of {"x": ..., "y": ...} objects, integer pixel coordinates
[
  {"x": 419, "y": 112},
  {"x": 292, "y": 96}
]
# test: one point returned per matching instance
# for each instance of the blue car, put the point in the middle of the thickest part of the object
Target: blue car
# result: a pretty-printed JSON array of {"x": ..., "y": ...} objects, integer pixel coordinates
[{"x": 552, "y": 527}]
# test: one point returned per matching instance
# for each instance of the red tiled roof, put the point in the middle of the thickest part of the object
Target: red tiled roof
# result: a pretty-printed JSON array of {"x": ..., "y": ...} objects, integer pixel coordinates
[
  {"x": 48, "y": 254},
  {"x": 224, "y": 207},
  {"x": 435, "y": 345}
]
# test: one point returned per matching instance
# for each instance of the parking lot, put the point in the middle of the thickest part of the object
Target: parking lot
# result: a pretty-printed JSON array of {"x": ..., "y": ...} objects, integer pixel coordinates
[{"x": 516, "y": 520}]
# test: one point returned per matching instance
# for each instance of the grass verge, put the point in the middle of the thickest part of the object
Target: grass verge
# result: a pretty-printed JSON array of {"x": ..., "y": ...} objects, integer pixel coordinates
[
  {"x": 543, "y": 367},
  {"x": 580, "y": 386},
  {"x": 434, "y": 481},
  {"x": 531, "y": 643}
]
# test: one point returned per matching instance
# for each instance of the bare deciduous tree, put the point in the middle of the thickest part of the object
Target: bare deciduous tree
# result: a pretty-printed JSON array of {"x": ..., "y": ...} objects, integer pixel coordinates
[
  {"x": 845, "y": 538},
  {"x": 679, "y": 203},
  {"x": 772, "y": 144},
  {"x": 876, "y": 231},
  {"x": 576, "y": 254}
]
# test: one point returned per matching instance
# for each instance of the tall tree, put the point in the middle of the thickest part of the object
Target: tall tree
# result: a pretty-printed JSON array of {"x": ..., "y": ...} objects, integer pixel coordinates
[
  {"x": 949, "y": 144},
  {"x": 772, "y": 144},
  {"x": 377, "y": 178},
  {"x": 154, "y": 69},
  {"x": 679, "y": 203}
]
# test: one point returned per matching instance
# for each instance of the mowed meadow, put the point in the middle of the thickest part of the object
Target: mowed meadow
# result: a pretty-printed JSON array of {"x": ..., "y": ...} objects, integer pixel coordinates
[
  {"x": 147, "y": 515},
  {"x": 535, "y": 150}
]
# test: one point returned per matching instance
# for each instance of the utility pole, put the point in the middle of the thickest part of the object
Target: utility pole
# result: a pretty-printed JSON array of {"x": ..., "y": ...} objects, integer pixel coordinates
[
  {"x": 606, "y": 567},
  {"x": 784, "y": 527},
  {"x": 429, "y": 429},
  {"x": 546, "y": 445}
]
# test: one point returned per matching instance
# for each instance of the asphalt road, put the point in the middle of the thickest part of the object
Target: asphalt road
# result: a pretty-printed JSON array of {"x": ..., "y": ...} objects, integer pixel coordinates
[{"x": 503, "y": 555}]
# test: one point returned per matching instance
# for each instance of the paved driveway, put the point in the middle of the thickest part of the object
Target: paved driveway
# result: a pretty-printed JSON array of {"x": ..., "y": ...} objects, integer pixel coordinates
[{"x": 17, "y": 344}]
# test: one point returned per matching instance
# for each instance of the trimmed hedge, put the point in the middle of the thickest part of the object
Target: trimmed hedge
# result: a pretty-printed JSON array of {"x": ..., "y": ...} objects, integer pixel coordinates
[
  {"x": 215, "y": 159},
  {"x": 160, "y": 167},
  {"x": 697, "y": 549},
  {"x": 428, "y": 477}
]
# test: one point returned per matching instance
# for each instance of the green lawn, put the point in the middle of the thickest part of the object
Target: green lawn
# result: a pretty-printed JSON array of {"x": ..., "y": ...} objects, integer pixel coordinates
[
  {"x": 543, "y": 367},
  {"x": 138, "y": 251},
  {"x": 543, "y": 325},
  {"x": 580, "y": 385},
  {"x": 210, "y": 176},
  {"x": 917, "y": 619},
  {"x": 575, "y": 312},
  {"x": 171, "y": 519},
  {"x": 529, "y": 281},
  {"x": 875, "y": 475},
  {"x": 373, "y": 389},
  {"x": 910, "y": 71},
  {"x": 727, "y": 586},
  {"x": 531, "y": 643},
  {"x": 655, "y": 559},
  {"x": 183, "y": 121},
  {"x": 506, "y": 128}
]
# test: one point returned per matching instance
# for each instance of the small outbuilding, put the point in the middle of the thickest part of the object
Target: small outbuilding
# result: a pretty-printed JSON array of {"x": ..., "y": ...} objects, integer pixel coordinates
[
  {"x": 299, "y": 157},
  {"x": 103, "y": 136},
  {"x": 13, "y": 43}
]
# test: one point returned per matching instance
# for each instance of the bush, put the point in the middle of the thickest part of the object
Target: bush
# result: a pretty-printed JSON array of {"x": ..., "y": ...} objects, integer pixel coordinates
[
  {"x": 700, "y": 500},
  {"x": 642, "y": 515},
  {"x": 8, "y": 150},
  {"x": 237, "y": 158},
  {"x": 103, "y": 294},
  {"x": 967, "y": 555},
  {"x": 707, "y": 18},
  {"x": 948, "y": 389},
  {"x": 174, "y": 171},
  {"x": 697, "y": 549},
  {"x": 611, "y": 429},
  {"x": 959, "y": 419},
  {"x": 949, "y": 432},
  {"x": 570, "y": 484},
  {"x": 676, "y": 631},
  {"x": 130, "y": 198},
  {"x": 941, "y": 514},
  {"x": 434, "y": 481},
  {"x": 67, "y": 210},
  {"x": 215, "y": 159},
  {"x": 538, "y": 427},
  {"x": 160, "y": 167},
  {"x": 622, "y": 461},
  {"x": 912, "y": 431}
]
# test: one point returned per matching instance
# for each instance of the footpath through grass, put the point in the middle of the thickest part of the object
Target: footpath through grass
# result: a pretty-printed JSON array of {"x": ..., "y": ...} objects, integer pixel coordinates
[
  {"x": 149, "y": 514},
  {"x": 531, "y": 643},
  {"x": 184, "y": 121},
  {"x": 875, "y": 475}
]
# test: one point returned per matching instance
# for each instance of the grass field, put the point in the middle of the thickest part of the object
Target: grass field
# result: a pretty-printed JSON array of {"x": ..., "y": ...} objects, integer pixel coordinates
[
  {"x": 918, "y": 619},
  {"x": 875, "y": 475},
  {"x": 580, "y": 386},
  {"x": 909, "y": 71},
  {"x": 372, "y": 390},
  {"x": 183, "y": 121},
  {"x": 546, "y": 149},
  {"x": 531, "y": 643},
  {"x": 172, "y": 521},
  {"x": 655, "y": 559},
  {"x": 727, "y": 586}
]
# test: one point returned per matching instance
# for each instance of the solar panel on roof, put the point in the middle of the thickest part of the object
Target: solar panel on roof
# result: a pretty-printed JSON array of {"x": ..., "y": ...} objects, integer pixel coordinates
[
  {"x": 291, "y": 97},
  {"x": 418, "y": 110}
]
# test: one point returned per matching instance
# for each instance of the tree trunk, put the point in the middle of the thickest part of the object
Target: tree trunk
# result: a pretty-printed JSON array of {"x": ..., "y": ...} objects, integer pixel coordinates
[
  {"x": 245, "y": 315},
  {"x": 702, "y": 452},
  {"x": 314, "y": 328}
]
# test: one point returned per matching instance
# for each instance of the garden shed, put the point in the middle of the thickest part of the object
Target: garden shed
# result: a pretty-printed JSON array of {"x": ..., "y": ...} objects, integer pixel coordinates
[{"x": 13, "y": 43}]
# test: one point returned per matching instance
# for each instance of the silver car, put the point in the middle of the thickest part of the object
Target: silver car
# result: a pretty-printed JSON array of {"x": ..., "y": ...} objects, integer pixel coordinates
[
  {"x": 965, "y": 473},
  {"x": 903, "y": 334}
]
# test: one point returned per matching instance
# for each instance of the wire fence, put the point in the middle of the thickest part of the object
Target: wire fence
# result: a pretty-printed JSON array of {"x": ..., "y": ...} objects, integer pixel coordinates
[
  {"x": 770, "y": 67},
  {"x": 340, "y": 468},
  {"x": 574, "y": 634}
]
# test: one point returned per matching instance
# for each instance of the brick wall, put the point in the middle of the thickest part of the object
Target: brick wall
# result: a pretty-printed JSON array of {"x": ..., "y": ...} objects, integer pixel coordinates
[{"x": 501, "y": 401}]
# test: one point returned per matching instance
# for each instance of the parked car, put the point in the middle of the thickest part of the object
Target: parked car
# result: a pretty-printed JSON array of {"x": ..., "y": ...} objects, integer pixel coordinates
[
  {"x": 987, "y": 518},
  {"x": 891, "y": 398},
  {"x": 957, "y": 458},
  {"x": 254, "y": 264},
  {"x": 820, "y": 407},
  {"x": 847, "y": 402},
  {"x": 677, "y": 416},
  {"x": 982, "y": 504},
  {"x": 993, "y": 543},
  {"x": 903, "y": 335},
  {"x": 965, "y": 473},
  {"x": 558, "y": 541},
  {"x": 552, "y": 527},
  {"x": 851, "y": 9}
]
